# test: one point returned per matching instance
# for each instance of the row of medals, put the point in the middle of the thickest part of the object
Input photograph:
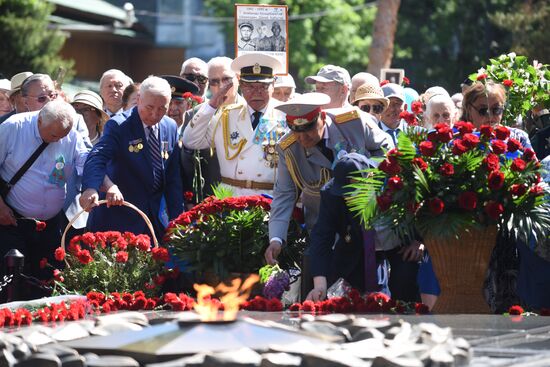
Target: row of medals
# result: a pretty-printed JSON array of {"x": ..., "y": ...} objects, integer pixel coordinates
[{"x": 135, "y": 148}]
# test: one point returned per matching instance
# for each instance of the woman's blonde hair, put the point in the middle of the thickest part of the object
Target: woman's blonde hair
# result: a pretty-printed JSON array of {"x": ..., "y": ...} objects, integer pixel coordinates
[{"x": 479, "y": 89}]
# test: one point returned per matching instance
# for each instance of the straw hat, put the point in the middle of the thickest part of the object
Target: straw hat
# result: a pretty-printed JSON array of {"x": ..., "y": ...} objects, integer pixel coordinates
[
  {"x": 92, "y": 99},
  {"x": 17, "y": 80},
  {"x": 371, "y": 91}
]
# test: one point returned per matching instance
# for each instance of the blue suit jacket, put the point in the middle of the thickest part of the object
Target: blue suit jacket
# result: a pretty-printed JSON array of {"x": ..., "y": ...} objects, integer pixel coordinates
[{"x": 132, "y": 172}]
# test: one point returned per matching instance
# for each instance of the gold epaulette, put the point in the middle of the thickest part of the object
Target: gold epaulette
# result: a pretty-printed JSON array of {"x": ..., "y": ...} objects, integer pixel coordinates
[
  {"x": 287, "y": 141},
  {"x": 347, "y": 116},
  {"x": 232, "y": 106}
]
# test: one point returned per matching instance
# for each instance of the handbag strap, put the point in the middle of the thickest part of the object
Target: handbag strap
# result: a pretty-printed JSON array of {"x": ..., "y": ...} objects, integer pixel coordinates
[{"x": 28, "y": 163}]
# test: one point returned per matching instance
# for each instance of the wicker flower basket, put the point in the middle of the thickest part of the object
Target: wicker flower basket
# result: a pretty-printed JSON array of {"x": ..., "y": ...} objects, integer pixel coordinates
[{"x": 460, "y": 265}]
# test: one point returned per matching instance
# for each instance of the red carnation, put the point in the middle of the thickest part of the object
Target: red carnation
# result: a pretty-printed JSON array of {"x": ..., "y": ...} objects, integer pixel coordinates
[
  {"x": 384, "y": 82},
  {"x": 544, "y": 311},
  {"x": 470, "y": 140},
  {"x": 467, "y": 200},
  {"x": 395, "y": 183},
  {"x": 84, "y": 257},
  {"x": 389, "y": 166},
  {"x": 43, "y": 263},
  {"x": 459, "y": 147},
  {"x": 57, "y": 275},
  {"x": 59, "y": 254},
  {"x": 529, "y": 155},
  {"x": 482, "y": 76},
  {"x": 447, "y": 169},
  {"x": 88, "y": 238},
  {"x": 492, "y": 162},
  {"x": 427, "y": 148},
  {"x": 518, "y": 189},
  {"x": 536, "y": 190},
  {"x": 121, "y": 257},
  {"x": 494, "y": 209},
  {"x": 295, "y": 307},
  {"x": 159, "y": 279},
  {"x": 406, "y": 81},
  {"x": 274, "y": 305},
  {"x": 436, "y": 205},
  {"x": 507, "y": 83},
  {"x": 502, "y": 132},
  {"x": 513, "y": 145},
  {"x": 486, "y": 131},
  {"x": 384, "y": 201},
  {"x": 499, "y": 147},
  {"x": 464, "y": 127},
  {"x": 518, "y": 165},
  {"x": 40, "y": 226},
  {"x": 187, "y": 95},
  {"x": 188, "y": 196},
  {"x": 420, "y": 163},
  {"x": 416, "y": 107},
  {"x": 496, "y": 180},
  {"x": 421, "y": 309},
  {"x": 308, "y": 306},
  {"x": 160, "y": 254},
  {"x": 515, "y": 310}
]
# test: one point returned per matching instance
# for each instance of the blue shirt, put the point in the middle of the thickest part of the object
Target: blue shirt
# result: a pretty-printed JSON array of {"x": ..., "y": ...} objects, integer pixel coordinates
[{"x": 40, "y": 193}]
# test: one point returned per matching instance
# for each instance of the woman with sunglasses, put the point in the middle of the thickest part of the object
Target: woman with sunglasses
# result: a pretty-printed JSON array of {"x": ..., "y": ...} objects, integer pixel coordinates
[{"x": 484, "y": 103}]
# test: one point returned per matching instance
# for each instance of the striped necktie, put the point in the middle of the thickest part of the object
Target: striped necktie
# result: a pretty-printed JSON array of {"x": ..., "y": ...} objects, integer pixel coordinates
[{"x": 156, "y": 159}]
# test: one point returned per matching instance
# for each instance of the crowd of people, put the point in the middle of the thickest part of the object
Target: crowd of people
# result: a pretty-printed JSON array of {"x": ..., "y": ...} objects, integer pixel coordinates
[{"x": 245, "y": 128}]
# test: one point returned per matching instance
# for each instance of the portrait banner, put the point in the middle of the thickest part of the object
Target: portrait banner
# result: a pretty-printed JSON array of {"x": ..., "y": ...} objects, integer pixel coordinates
[{"x": 262, "y": 29}]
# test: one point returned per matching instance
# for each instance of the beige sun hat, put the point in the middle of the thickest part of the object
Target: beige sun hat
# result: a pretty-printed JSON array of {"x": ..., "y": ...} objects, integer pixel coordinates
[
  {"x": 92, "y": 99},
  {"x": 5, "y": 85},
  {"x": 371, "y": 91},
  {"x": 17, "y": 81}
]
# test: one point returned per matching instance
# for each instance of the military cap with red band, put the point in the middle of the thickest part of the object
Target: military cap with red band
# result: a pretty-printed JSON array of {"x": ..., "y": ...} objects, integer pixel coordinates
[{"x": 303, "y": 111}]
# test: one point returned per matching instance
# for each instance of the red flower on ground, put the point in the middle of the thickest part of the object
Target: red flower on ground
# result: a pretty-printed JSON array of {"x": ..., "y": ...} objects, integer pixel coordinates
[
  {"x": 502, "y": 132},
  {"x": 507, "y": 83},
  {"x": 273, "y": 305},
  {"x": 494, "y": 209},
  {"x": 59, "y": 254},
  {"x": 447, "y": 169},
  {"x": 496, "y": 180},
  {"x": 121, "y": 257},
  {"x": 43, "y": 263},
  {"x": 544, "y": 311},
  {"x": 427, "y": 148},
  {"x": 467, "y": 200},
  {"x": 421, "y": 308},
  {"x": 518, "y": 165},
  {"x": 40, "y": 226},
  {"x": 436, "y": 205},
  {"x": 515, "y": 310}
]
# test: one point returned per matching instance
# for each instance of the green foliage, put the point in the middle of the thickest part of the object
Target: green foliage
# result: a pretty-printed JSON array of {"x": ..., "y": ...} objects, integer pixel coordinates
[
  {"x": 27, "y": 41},
  {"x": 340, "y": 35},
  {"x": 222, "y": 192},
  {"x": 530, "y": 88}
]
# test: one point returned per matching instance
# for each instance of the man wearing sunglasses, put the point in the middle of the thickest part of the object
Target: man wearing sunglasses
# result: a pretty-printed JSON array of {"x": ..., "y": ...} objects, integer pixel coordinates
[
  {"x": 244, "y": 134},
  {"x": 196, "y": 71}
]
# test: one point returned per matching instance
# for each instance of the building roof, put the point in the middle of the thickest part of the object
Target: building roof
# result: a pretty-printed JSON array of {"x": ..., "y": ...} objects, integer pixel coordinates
[{"x": 96, "y": 7}]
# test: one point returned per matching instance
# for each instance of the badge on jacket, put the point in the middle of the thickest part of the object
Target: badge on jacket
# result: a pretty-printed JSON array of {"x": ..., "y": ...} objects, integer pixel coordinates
[
  {"x": 134, "y": 146},
  {"x": 57, "y": 177}
]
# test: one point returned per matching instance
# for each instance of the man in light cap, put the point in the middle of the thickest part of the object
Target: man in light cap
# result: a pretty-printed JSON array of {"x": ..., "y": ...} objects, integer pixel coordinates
[
  {"x": 14, "y": 93},
  {"x": 335, "y": 82},
  {"x": 284, "y": 88},
  {"x": 306, "y": 155},
  {"x": 245, "y": 133},
  {"x": 390, "y": 122}
]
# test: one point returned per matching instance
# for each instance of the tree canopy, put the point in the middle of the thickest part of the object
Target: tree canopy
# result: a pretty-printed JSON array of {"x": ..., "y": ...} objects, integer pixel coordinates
[{"x": 28, "y": 43}]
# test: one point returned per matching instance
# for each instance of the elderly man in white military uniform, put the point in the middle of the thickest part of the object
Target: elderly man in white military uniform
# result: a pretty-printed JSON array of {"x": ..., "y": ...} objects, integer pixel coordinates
[
  {"x": 244, "y": 134},
  {"x": 306, "y": 156}
]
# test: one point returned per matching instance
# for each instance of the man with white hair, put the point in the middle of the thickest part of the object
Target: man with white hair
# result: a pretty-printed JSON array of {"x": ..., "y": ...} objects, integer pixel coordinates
[
  {"x": 196, "y": 71},
  {"x": 39, "y": 193},
  {"x": 285, "y": 88},
  {"x": 141, "y": 157},
  {"x": 111, "y": 87}
]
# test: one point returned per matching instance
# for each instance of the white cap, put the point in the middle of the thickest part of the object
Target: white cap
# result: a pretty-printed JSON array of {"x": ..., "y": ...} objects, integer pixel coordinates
[
  {"x": 257, "y": 67},
  {"x": 284, "y": 81}
]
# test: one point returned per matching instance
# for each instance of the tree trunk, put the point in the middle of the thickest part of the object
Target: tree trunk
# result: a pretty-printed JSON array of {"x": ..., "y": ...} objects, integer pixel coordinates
[{"x": 385, "y": 24}]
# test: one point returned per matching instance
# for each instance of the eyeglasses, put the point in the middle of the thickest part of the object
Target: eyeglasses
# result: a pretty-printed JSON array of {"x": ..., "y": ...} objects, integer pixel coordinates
[
  {"x": 259, "y": 87},
  {"x": 201, "y": 79},
  {"x": 216, "y": 82},
  {"x": 44, "y": 98},
  {"x": 84, "y": 110},
  {"x": 484, "y": 111},
  {"x": 376, "y": 108}
]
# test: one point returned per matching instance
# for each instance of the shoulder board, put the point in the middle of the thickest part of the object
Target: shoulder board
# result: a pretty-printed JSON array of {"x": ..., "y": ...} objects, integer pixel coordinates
[
  {"x": 233, "y": 106},
  {"x": 287, "y": 141},
  {"x": 347, "y": 116}
]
